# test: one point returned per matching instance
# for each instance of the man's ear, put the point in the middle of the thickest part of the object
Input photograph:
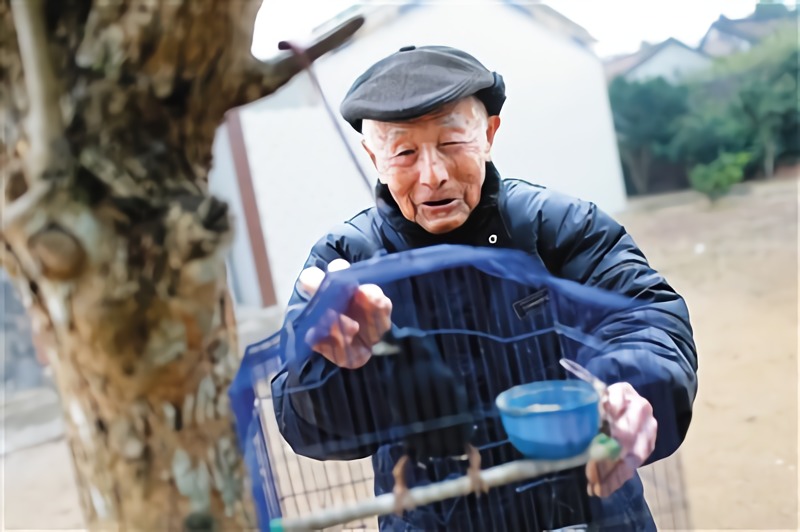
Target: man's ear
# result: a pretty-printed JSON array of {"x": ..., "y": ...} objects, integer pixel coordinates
[
  {"x": 493, "y": 124},
  {"x": 373, "y": 159},
  {"x": 371, "y": 155}
]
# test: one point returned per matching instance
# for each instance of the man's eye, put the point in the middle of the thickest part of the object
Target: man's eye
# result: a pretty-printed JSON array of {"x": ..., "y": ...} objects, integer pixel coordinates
[
  {"x": 404, "y": 153},
  {"x": 451, "y": 143}
]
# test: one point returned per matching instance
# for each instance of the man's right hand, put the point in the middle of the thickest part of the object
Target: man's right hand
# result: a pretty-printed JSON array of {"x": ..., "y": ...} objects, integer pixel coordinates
[{"x": 348, "y": 341}]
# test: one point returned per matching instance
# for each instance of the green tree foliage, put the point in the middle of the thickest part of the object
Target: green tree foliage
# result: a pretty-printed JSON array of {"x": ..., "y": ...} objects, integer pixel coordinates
[
  {"x": 767, "y": 94},
  {"x": 645, "y": 119},
  {"x": 706, "y": 130},
  {"x": 746, "y": 102},
  {"x": 716, "y": 178}
]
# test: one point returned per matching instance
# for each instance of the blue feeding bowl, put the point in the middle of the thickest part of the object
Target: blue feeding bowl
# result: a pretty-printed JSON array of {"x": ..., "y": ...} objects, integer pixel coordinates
[{"x": 550, "y": 420}]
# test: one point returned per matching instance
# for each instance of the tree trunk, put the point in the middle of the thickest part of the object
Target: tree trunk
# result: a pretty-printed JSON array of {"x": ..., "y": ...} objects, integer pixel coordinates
[
  {"x": 770, "y": 152},
  {"x": 638, "y": 161},
  {"x": 109, "y": 112}
]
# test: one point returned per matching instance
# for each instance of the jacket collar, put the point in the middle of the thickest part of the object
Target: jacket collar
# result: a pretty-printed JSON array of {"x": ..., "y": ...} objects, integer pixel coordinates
[{"x": 390, "y": 211}]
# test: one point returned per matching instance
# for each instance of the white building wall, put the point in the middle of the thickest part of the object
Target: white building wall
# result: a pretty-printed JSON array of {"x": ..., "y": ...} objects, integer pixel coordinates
[
  {"x": 556, "y": 131},
  {"x": 673, "y": 63}
]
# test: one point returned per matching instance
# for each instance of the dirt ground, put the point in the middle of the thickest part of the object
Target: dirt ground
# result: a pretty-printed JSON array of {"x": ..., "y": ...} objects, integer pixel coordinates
[{"x": 736, "y": 265}]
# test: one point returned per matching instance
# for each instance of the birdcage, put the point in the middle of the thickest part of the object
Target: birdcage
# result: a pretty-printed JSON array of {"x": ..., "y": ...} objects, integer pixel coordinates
[{"x": 500, "y": 322}]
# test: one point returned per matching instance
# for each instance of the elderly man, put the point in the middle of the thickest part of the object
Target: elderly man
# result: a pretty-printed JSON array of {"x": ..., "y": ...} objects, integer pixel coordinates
[{"x": 429, "y": 116}]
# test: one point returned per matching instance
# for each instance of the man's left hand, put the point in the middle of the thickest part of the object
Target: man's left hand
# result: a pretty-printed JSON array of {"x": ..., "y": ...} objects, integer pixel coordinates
[{"x": 632, "y": 424}]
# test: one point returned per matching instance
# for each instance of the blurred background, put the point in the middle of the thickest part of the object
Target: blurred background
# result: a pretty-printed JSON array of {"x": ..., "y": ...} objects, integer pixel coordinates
[{"x": 680, "y": 118}]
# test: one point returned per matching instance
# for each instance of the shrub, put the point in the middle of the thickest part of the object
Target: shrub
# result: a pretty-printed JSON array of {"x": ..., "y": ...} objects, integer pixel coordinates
[{"x": 716, "y": 178}]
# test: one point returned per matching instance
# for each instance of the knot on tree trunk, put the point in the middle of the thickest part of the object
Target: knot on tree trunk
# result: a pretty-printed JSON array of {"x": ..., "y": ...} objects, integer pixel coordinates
[{"x": 59, "y": 253}]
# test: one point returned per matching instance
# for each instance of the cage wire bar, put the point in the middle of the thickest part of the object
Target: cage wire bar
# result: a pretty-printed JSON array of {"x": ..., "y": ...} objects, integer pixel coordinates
[{"x": 495, "y": 313}]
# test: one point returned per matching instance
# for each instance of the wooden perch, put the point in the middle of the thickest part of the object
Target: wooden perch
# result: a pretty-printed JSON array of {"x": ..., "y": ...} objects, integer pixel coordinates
[{"x": 602, "y": 448}]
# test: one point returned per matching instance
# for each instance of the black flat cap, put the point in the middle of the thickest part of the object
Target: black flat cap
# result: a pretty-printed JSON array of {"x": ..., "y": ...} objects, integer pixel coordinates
[{"x": 417, "y": 80}]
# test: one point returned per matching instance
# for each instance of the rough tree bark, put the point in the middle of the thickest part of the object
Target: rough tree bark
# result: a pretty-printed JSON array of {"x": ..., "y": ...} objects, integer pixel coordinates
[{"x": 109, "y": 109}]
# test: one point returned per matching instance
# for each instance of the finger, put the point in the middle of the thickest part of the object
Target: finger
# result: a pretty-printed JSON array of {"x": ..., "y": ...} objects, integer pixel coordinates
[
  {"x": 338, "y": 264},
  {"x": 605, "y": 476},
  {"x": 360, "y": 352},
  {"x": 322, "y": 332},
  {"x": 629, "y": 428},
  {"x": 596, "y": 471},
  {"x": 349, "y": 356},
  {"x": 617, "y": 478},
  {"x": 617, "y": 399},
  {"x": 638, "y": 413},
  {"x": 373, "y": 310},
  {"x": 614, "y": 478},
  {"x": 343, "y": 330},
  {"x": 309, "y": 280},
  {"x": 357, "y": 356},
  {"x": 370, "y": 294},
  {"x": 333, "y": 329},
  {"x": 352, "y": 355},
  {"x": 592, "y": 476},
  {"x": 632, "y": 413},
  {"x": 369, "y": 300}
]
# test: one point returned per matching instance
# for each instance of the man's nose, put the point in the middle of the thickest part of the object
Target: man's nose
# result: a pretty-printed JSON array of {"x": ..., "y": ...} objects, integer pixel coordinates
[{"x": 432, "y": 172}]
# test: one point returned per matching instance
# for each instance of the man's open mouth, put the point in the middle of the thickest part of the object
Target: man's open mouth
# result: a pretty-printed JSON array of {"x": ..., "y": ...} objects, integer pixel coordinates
[{"x": 438, "y": 203}]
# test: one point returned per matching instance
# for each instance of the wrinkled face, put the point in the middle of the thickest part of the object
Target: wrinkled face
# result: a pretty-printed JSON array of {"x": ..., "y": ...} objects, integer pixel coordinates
[{"x": 435, "y": 165}]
